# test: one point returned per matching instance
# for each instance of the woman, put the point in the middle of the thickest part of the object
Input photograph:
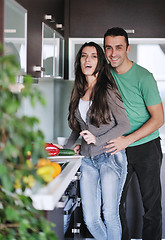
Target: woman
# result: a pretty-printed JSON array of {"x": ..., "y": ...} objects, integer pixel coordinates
[{"x": 96, "y": 113}]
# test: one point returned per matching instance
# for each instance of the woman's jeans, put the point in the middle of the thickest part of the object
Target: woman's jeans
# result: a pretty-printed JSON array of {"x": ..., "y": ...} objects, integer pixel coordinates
[{"x": 103, "y": 178}]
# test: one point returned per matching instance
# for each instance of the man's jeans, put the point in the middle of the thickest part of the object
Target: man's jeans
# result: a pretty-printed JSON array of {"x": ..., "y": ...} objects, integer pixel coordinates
[
  {"x": 145, "y": 160},
  {"x": 103, "y": 178}
]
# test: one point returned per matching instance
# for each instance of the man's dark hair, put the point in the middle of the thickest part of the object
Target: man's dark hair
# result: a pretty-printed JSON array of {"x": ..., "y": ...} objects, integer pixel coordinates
[{"x": 116, "y": 31}]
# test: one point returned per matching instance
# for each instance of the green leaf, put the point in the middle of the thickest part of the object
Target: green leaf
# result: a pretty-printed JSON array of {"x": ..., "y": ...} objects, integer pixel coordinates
[
  {"x": 3, "y": 169},
  {"x": 11, "y": 214},
  {"x": 7, "y": 182},
  {"x": 10, "y": 150}
]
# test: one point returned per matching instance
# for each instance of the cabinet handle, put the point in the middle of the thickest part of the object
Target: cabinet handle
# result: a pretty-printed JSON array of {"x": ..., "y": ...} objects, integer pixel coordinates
[
  {"x": 77, "y": 176},
  {"x": 38, "y": 69},
  {"x": 130, "y": 31},
  {"x": 61, "y": 203}
]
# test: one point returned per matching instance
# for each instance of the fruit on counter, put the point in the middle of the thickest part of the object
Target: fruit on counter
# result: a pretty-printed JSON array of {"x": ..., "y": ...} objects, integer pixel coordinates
[
  {"x": 57, "y": 169},
  {"x": 46, "y": 172},
  {"x": 29, "y": 181},
  {"x": 43, "y": 162},
  {"x": 29, "y": 164},
  {"x": 17, "y": 183},
  {"x": 47, "y": 169},
  {"x": 51, "y": 149},
  {"x": 66, "y": 152}
]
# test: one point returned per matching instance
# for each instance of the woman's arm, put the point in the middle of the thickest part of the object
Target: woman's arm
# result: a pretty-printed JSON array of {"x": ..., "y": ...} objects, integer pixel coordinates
[{"x": 72, "y": 139}]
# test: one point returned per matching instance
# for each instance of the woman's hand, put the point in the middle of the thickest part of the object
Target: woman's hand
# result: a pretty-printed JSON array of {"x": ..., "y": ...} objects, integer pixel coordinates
[
  {"x": 57, "y": 145},
  {"x": 77, "y": 149},
  {"x": 88, "y": 136}
]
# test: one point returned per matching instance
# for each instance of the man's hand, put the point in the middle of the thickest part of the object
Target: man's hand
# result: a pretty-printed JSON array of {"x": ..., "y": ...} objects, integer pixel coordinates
[
  {"x": 88, "y": 137},
  {"x": 117, "y": 144}
]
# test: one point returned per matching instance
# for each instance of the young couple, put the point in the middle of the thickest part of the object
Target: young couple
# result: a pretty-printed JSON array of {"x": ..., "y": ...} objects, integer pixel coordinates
[{"x": 117, "y": 110}]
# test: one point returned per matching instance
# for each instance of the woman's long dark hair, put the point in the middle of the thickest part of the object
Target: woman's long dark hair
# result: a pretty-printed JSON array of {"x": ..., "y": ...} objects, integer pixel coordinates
[{"x": 100, "y": 106}]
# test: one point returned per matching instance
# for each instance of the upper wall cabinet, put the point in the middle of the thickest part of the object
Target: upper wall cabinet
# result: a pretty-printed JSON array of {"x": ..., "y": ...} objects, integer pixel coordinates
[
  {"x": 15, "y": 32},
  {"x": 52, "y": 53},
  {"x": 92, "y": 18}
]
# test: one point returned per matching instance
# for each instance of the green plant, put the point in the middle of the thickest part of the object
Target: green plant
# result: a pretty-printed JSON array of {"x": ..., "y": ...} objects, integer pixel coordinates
[{"x": 18, "y": 137}]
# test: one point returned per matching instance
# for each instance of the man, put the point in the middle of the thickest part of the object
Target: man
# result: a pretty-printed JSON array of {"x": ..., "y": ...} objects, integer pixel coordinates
[{"x": 145, "y": 111}]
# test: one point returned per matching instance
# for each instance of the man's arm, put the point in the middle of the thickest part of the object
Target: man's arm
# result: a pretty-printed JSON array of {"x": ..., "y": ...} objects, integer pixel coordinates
[{"x": 155, "y": 122}]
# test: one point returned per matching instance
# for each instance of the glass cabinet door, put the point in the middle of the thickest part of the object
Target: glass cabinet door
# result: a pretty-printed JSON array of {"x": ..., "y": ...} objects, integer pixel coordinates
[
  {"x": 59, "y": 56},
  {"x": 15, "y": 33},
  {"x": 52, "y": 53},
  {"x": 48, "y": 51}
]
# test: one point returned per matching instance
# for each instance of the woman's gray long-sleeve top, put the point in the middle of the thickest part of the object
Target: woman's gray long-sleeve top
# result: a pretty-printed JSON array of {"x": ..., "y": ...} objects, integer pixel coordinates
[{"x": 118, "y": 125}]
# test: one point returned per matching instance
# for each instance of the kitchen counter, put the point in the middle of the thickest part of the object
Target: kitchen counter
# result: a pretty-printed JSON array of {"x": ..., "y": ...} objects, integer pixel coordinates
[{"x": 48, "y": 197}]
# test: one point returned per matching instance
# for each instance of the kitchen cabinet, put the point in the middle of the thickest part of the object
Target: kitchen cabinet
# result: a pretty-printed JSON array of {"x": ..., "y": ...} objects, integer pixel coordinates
[
  {"x": 34, "y": 27},
  {"x": 146, "y": 17},
  {"x": 36, "y": 16},
  {"x": 52, "y": 53},
  {"x": 48, "y": 197},
  {"x": 77, "y": 228},
  {"x": 91, "y": 19},
  {"x": 15, "y": 33},
  {"x": 56, "y": 197},
  {"x": 67, "y": 226},
  {"x": 61, "y": 201}
]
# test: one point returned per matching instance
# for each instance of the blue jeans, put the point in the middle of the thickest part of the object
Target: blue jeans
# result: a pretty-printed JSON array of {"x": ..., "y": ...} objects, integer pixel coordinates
[{"x": 101, "y": 184}]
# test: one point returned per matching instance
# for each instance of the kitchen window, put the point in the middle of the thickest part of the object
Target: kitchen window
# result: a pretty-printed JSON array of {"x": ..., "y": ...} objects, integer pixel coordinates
[{"x": 147, "y": 52}]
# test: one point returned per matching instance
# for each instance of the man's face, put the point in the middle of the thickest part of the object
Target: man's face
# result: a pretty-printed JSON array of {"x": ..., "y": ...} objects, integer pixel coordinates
[{"x": 116, "y": 51}]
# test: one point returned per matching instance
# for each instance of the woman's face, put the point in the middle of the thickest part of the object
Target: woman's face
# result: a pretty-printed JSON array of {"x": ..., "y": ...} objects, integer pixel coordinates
[{"x": 88, "y": 60}]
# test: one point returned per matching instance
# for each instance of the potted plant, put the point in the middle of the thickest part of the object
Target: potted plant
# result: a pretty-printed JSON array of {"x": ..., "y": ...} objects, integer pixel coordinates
[{"x": 19, "y": 140}]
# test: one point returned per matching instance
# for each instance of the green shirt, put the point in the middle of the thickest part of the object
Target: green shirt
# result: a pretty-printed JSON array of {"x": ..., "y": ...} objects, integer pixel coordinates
[{"x": 138, "y": 89}]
